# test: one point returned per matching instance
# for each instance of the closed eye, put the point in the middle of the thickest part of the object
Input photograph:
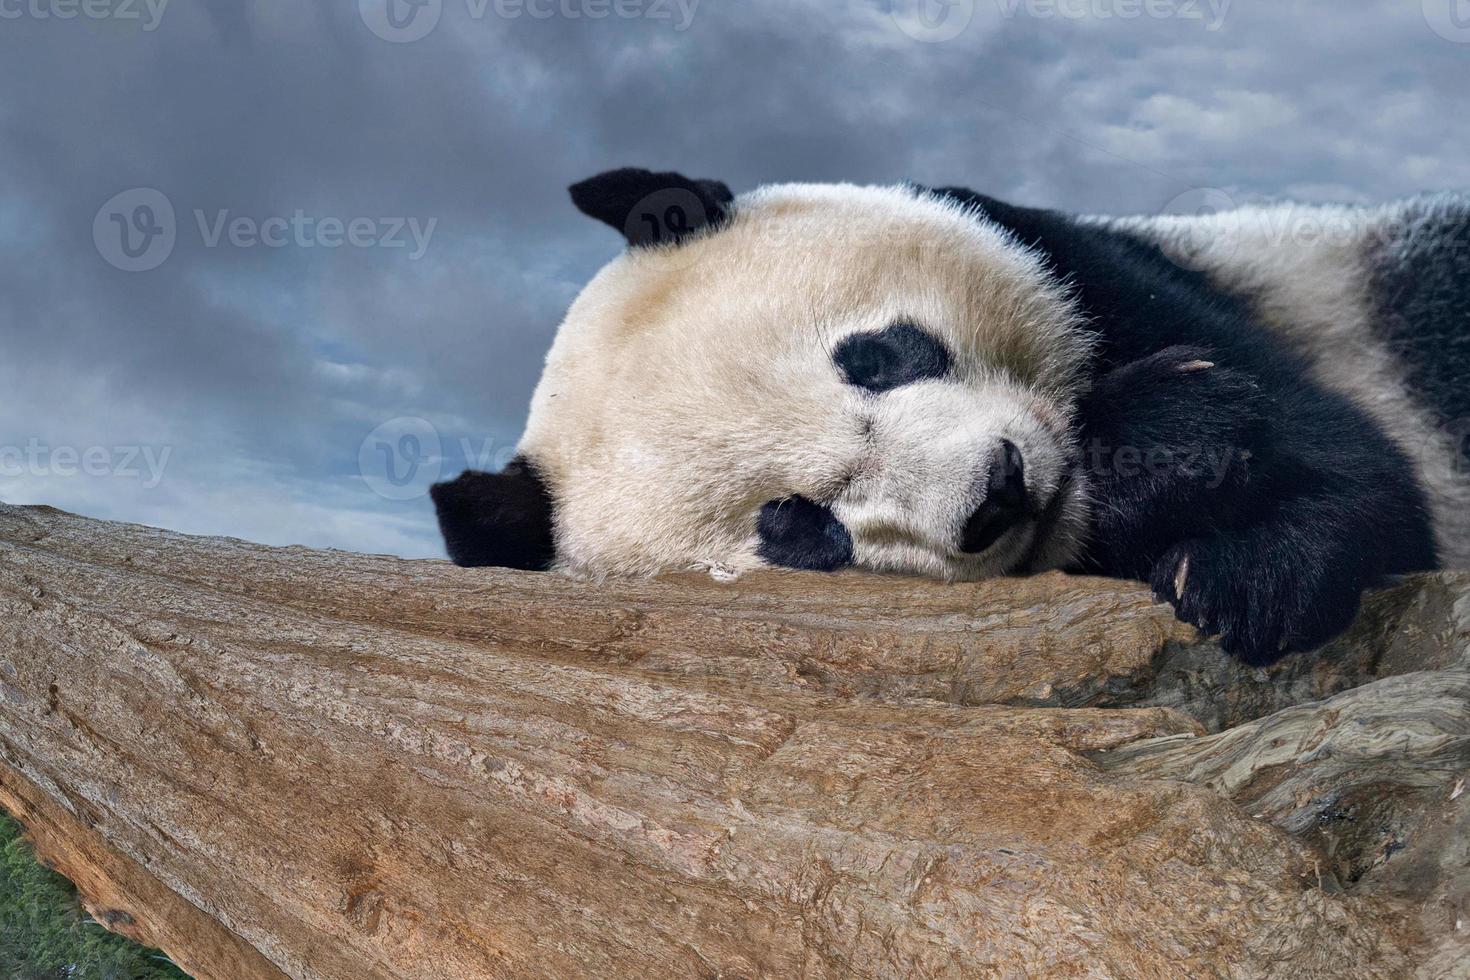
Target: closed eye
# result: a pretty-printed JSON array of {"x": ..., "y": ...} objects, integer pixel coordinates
[{"x": 898, "y": 355}]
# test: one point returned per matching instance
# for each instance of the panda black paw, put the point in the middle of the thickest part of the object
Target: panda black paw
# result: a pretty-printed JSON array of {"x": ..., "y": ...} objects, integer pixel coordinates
[
  {"x": 1177, "y": 396},
  {"x": 1263, "y": 602},
  {"x": 1170, "y": 444}
]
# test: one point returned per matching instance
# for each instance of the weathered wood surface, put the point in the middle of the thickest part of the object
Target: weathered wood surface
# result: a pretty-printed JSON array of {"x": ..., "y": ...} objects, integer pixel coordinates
[{"x": 279, "y": 761}]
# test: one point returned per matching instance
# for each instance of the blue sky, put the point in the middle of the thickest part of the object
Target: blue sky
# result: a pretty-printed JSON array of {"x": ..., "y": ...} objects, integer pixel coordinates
[{"x": 371, "y": 243}]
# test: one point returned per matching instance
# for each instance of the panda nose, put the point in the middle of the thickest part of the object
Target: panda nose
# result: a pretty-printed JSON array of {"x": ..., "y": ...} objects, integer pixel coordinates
[{"x": 1005, "y": 501}]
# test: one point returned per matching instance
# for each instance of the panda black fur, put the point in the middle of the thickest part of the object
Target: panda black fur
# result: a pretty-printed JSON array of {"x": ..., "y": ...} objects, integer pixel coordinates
[
  {"x": 1183, "y": 413},
  {"x": 1320, "y": 503}
]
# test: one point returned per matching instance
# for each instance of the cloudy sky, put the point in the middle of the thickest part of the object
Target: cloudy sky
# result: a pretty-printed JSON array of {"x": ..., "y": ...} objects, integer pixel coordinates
[{"x": 267, "y": 267}]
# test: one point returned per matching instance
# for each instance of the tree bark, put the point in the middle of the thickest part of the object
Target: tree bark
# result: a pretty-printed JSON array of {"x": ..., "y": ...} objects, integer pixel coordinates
[{"x": 276, "y": 761}]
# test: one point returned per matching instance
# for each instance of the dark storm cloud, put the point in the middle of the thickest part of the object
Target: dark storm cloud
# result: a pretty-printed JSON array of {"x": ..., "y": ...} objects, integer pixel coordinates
[{"x": 262, "y": 370}]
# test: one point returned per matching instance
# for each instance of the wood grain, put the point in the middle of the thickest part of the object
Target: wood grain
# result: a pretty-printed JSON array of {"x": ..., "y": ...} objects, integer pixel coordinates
[{"x": 281, "y": 761}]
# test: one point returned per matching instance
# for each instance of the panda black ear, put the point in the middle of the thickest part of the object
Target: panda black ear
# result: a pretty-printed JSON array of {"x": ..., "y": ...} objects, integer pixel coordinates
[
  {"x": 497, "y": 519},
  {"x": 651, "y": 208}
]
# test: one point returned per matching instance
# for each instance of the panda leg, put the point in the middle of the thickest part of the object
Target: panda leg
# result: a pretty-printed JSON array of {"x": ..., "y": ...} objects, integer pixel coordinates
[
  {"x": 1269, "y": 590},
  {"x": 1167, "y": 452},
  {"x": 1272, "y": 554}
]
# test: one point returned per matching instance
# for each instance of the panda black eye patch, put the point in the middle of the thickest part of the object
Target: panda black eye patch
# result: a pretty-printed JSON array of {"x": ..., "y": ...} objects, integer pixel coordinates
[
  {"x": 882, "y": 360},
  {"x": 797, "y": 533}
]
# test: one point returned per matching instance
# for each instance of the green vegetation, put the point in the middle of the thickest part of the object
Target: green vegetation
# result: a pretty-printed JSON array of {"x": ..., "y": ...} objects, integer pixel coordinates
[{"x": 46, "y": 935}]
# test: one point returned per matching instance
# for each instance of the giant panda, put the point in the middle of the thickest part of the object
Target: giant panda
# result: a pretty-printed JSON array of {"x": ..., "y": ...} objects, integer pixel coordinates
[{"x": 1259, "y": 420}]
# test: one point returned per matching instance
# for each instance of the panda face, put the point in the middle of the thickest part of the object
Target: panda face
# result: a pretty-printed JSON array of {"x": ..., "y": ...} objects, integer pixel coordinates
[{"x": 833, "y": 376}]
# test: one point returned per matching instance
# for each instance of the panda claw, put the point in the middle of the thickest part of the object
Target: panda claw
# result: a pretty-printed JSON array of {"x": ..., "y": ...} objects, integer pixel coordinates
[
  {"x": 1181, "y": 577},
  {"x": 1189, "y": 367},
  {"x": 722, "y": 573}
]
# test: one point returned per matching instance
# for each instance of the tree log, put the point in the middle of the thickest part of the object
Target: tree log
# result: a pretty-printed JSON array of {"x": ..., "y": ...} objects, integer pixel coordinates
[{"x": 276, "y": 761}]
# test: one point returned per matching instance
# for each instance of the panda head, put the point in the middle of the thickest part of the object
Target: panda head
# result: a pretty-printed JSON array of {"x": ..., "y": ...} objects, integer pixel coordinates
[{"x": 808, "y": 376}]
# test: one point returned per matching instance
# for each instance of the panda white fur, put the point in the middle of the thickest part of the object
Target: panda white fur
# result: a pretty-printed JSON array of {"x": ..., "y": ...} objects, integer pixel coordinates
[{"x": 1258, "y": 420}]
